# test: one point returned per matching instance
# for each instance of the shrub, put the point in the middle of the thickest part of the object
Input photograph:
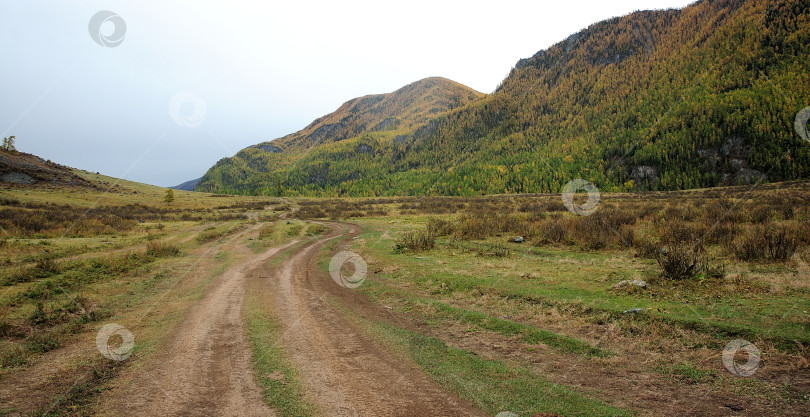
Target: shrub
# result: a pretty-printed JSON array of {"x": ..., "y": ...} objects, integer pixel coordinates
[
  {"x": 775, "y": 243},
  {"x": 682, "y": 255},
  {"x": 208, "y": 235},
  {"x": 294, "y": 230},
  {"x": 592, "y": 231},
  {"x": 552, "y": 231},
  {"x": 750, "y": 246},
  {"x": 267, "y": 231},
  {"x": 722, "y": 234},
  {"x": 39, "y": 316},
  {"x": 761, "y": 214},
  {"x": 681, "y": 261},
  {"x": 474, "y": 228},
  {"x": 44, "y": 268},
  {"x": 497, "y": 251},
  {"x": 316, "y": 229},
  {"x": 416, "y": 241},
  {"x": 161, "y": 249},
  {"x": 627, "y": 236},
  {"x": 781, "y": 243},
  {"x": 439, "y": 227},
  {"x": 646, "y": 248}
]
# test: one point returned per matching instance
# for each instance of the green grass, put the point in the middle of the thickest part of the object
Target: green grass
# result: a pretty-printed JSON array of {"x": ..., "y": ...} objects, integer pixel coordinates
[
  {"x": 688, "y": 373},
  {"x": 217, "y": 232},
  {"x": 581, "y": 282},
  {"x": 280, "y": 383},
  {"x": 529, "y": 334},
  {"x": 84, "y": 392},
  {"x": 491, "y": 385}
]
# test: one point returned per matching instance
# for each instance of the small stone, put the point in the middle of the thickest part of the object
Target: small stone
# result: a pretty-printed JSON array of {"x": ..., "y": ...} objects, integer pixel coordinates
[
  {"x": 627, "y": 282},
  {"x": 519, "y": 239},
  {"x": 634, "y": 311}
]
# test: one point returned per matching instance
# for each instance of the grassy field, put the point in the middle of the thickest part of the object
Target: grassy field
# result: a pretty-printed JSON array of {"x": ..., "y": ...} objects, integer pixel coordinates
[
  {"x": 559, "y": 323},
  {"x": 450, "y": 265},
  {"x": 74, "y": 259}
]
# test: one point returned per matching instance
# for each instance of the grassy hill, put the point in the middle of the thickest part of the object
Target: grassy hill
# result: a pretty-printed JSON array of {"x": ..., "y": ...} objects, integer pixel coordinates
[
  {"x": 328, "y": 151},
  {"x": 656, "y": 100}
]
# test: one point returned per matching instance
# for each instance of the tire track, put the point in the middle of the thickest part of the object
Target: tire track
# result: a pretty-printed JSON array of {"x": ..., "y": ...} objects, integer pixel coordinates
[{"x": 345, "y": 372}]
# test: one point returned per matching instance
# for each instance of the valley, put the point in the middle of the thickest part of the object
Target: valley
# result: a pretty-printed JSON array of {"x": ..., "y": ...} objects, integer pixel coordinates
[
  {"x": 618, "y": 225},
  {"x": 233, "y": 310}
]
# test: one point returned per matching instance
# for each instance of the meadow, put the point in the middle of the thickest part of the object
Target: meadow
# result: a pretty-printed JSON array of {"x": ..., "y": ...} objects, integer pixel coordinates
[
  {"x": 645, "y": 292},
  {"x": 511, "y": 302}
]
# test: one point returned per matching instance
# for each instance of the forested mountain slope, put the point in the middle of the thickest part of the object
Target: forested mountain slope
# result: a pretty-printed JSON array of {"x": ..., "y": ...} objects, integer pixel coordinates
[{"x": 665, "y": 100}]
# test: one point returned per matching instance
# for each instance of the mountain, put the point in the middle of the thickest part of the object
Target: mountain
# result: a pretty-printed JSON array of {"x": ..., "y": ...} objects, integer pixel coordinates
[
  {"x": 328, "y": 150},
  {"x": 188, "y": 185},
  {"x": 662, "y": 100}
]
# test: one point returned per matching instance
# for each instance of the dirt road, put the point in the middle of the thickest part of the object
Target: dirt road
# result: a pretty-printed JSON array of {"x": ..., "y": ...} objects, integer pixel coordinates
[
  {"x": 346, "y": 373},
  {"x": 205, "y": 367}
]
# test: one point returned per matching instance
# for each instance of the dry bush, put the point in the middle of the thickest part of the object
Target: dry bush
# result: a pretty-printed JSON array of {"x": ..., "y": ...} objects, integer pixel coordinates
[
  {"x": 552, "y": 231},
  {"x": 267, "y": 231},
  {"x": 481, "y": 249},
  {"x": 724, "y": 210},
  {"x": 474, "y": 227},
  {"x": 295, "y": 230},
  {"x": 646, "y": 248},
  {"x": 316, "y": 229},
  {"x": 54, "y": 220},
  {"x": 592, "y": 232},
  {"x": 440, "y": 227},
  {"x": 802, "y": 231},
  {"x": 772, "y": 243},
  {"x": 721, "y": 234},
  {"x": 415, "y": 241},
  {"x": 627, "y": 236},
  {"x": 311, "y": 213},
  {"x": 209, "y": 234},
  {"x": 781, "y": 243},
  {"x": 761, "y": 214},
  {"x": 607, "y": 227},
  {"x": 750, "y": 246},
  {"x": 161, "y": 249},
  {"x": 683, "y": 255}
]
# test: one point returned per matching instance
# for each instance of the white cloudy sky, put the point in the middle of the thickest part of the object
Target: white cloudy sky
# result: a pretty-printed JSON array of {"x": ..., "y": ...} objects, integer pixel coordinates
[{"x": 263, "y": 69}]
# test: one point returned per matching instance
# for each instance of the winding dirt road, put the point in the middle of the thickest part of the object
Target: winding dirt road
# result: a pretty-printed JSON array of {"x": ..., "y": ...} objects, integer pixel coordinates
[{"x": 206, "y": 369}]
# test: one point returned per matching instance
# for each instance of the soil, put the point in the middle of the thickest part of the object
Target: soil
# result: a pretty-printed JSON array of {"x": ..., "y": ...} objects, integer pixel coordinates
[
  {"x": 346, "y": 372},
  {"x": 205, "y": 367}
]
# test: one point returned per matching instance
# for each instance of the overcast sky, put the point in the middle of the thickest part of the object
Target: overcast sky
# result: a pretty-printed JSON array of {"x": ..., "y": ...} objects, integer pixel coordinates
[{"x": 193, "y": 81}]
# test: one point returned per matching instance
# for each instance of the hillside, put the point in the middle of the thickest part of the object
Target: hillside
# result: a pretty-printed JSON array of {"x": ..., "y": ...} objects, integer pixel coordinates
[
  {"x": 661, "y": 100},
  {"x": 328, "y": 150},
  {"x": 188, "y": 185},
  {"x": 18, "y": 169}
]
